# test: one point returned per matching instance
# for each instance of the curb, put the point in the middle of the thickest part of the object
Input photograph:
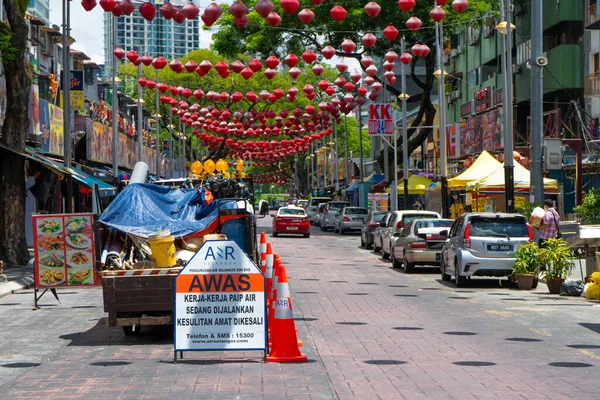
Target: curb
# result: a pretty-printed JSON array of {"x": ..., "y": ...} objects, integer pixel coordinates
[{"x": 11, "y": 287}]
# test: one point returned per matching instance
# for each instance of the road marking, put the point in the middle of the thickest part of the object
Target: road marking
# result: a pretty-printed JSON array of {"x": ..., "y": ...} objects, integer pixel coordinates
[
  {"x": 591, "y": 354},
  {"x": 540, "y": 332},
  {"x": 499, "y": 313}
]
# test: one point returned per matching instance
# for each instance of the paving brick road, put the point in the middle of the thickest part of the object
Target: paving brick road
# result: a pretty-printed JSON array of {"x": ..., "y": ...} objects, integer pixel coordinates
[{"x": 369, "y": 331}]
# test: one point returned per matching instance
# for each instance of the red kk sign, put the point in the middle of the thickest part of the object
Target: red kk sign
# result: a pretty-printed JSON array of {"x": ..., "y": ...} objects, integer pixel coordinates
[{"x": 380, "y": 119}]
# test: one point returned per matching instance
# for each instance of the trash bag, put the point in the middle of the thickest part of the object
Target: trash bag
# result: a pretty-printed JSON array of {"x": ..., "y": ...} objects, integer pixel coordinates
[{"x": 572, "y": 288}]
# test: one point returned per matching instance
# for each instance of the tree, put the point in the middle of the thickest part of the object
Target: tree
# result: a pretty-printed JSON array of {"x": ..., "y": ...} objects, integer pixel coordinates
[
  {"x": 18, "y": 73},
  {"x": 292, "y": 36}
]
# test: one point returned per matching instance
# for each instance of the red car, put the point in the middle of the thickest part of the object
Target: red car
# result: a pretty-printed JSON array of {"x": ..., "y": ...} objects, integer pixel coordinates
[{"x": 291, "y": 220}]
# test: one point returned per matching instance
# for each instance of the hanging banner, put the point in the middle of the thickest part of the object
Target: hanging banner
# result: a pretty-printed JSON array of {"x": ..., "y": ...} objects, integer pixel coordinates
[
  {"x": 45, "y": 125},
  {"x": 380, "y": 121},
  {"x": 76, "y": 93},
  {"x": 452, "y": 141},
  {"x": 34, "y": 111},
  {"x": 220, "y": 301},
  {"x": 483, "y": 132},
  {"x": 56, "y": 130},
  {"x": 64, "y": 250}
]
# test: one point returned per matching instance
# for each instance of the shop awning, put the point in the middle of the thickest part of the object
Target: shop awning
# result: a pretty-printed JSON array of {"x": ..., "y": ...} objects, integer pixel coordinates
[
  {"x": 481, "y": 168},
  {"x": 379, "y": 187},
  {"x": 374, "y": 178},
  {"x": 104, "y": 188},
  {"x": 416, "y": 185},
  {"x": 522, "y": 179},
  {"x": 353, "y": 187}
]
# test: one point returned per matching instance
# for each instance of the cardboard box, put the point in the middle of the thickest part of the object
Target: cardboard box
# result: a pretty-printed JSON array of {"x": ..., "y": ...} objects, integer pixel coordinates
[{"x": 536, "y": 222}]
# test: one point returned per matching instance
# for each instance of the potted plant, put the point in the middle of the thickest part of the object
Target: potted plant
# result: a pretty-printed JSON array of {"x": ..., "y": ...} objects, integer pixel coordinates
[
  {"x": 526, "y": 265},
  {"x": 556, "y": 257}
]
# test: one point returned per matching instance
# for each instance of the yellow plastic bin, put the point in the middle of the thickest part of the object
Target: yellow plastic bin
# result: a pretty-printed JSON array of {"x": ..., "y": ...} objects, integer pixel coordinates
[{"x": 163, "y": 251}]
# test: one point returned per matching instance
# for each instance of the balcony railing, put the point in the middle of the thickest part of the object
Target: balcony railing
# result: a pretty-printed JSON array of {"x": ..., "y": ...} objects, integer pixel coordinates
[
  {"x": 591, "y": 86},
  {"x": 592, "y": 20}
]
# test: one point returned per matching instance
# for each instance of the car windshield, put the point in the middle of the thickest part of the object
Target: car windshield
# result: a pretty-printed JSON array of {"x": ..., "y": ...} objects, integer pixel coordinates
[
  {"x": 498, "y": 227},
  {"x": 337, "y": 206},
  {"x": 316, "y": 200},
  {"x": 432, "y": 224},
  {"x": 291, "y": 211},
  {"x": 378, "y": 217},
  {"x": 355, "y": 211},
  {"x": 408, "y": 218}
]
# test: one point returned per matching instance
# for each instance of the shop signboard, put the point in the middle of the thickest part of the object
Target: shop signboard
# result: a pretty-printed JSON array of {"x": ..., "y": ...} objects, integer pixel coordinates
[
  {"x": 452, "y": 141},
  {"x": 380, "y": 121},
  {"x": 483, "y": 100},
  {"x": 482, "y": 132},
  {"x": 220, "y": 301},
  {"x": 466, "y": 110},
  {"x": 76, "y": 93},
  {"x": 64, "y": 251},
  {"x": 34, "y": 110},
  {"x": 498, "y": 97},
  {"x": 56, "y": 130},
  {"x": 45, "y": 125}
]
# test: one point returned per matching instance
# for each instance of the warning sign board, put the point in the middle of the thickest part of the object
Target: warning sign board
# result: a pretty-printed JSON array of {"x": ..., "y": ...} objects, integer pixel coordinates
[
  {"x": 220, "y": 301},
  {"x": 381, "y": 122}
]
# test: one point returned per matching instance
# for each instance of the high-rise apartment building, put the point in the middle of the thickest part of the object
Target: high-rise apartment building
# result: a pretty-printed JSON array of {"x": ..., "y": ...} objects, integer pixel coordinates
[
  {"x": 160, "y": 37},
  {"x": 39, "y": 9}
]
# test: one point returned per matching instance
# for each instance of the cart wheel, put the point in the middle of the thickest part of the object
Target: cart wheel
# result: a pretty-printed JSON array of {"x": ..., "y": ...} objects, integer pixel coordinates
[{"x": 133, "y": 330}]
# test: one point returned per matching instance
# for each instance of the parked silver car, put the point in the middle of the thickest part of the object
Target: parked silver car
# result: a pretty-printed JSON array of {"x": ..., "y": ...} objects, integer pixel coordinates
[
  {"x": 311, "y": 209},
  {"x": 397, "y": 221},
  {"x": 319, "y": 214},
  {"x": 349, "y": 219},
  {"x": 331, "y": 209},
  {"x": 378, "y": 232},
  {"x": 368, "y": 227},
  {"x": 419, "y": 243},
  {"x": 483, "y": 244}
]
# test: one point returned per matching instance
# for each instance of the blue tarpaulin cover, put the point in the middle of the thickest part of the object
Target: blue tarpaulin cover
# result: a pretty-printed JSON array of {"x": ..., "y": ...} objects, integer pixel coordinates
[{"x": 142, "y": 209}]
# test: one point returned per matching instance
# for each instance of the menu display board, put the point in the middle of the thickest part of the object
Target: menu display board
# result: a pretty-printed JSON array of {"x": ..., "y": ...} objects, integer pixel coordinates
[{"x": 64, "y": 250}]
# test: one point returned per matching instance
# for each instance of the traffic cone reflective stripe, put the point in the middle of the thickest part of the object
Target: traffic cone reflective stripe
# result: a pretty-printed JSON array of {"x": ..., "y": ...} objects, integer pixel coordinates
[
  {"x": 269, "y": 271},
  {"x": 273, "y": 294},
  {"x": 262, "y": 250},
  {"x": 284, "y": 346}
]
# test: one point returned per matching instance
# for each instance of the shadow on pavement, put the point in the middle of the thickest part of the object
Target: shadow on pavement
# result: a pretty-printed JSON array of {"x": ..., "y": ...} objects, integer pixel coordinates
[{"x": 102, "y": 335}]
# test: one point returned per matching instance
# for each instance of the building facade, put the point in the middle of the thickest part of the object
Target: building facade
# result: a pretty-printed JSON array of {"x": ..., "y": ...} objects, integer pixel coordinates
[
  {"x": 39, "y": 9},
  {"x": 160, "y": 37}
]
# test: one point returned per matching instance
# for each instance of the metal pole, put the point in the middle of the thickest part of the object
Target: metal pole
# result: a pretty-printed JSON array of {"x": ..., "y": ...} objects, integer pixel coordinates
[
  {"x": 405, "y": 155},
  {"x": 171, "y": 144},
  {"x": 442, "y": 124},
  {"x": 184, "y": 140},
  {"x": 346, "y": 157},
  {"x": 66, "y": 101},
  {"x": 394, "y": 189},
  {"x": 337, "y": 166},
  {"x": 157, "y": 134},
  {"x": 324, "y": 149},
  {"x": 179, "y": 147},
  {"x": 360, "y": 146},
  {"x": 140, "y": 147},
  {"x": 537, "y": 98},
  {"x": 115, "y": 109},
  {"x": 507, "y": 82}
]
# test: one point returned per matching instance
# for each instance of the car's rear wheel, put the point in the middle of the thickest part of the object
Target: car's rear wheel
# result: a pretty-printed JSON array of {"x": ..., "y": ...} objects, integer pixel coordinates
[
  {"x": 445, "y": 277},
  {"x": 408, "y": 267},
  {"x": 362, "y": 242},
  {"x": 376, "y": 249},
  {"x": 459, "y": 280},
  {"x": 395, "y": 262},
  {"x": 369, "y": 245},
  {"x": 275, "y": 234},
  {"x": 307, "y": 235},
  {"x": 384, "y": 254}
]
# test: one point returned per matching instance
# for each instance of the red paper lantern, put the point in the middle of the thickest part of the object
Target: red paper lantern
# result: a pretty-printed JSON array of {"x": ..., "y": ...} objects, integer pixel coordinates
[
  {"x": 294, "y": 72},
  {"x": 437, "y": 13},
  {"x": 328, "y": 52},
  {"x": 107, "y": 5},
  {"x": 255, "y": 65},
  {"x": 237, "y": 66},
  {"x": 88, "y": 5},
  {"x": 390, "y": 33},
  {"x": 186, "y": 93},
  {"x": 273, "y": 19},
  {"x": 338, "y": 13},
  {"x": 366, "y": 61},
  {"x": 246, "y": 73},
  {"x": 291, "y": 60},
  {"x": 198, "y": 93},
  {"x": 309, "y": 56},
  {"x": 142, "y": 81},
  {"x": 190, "y": 66},
  {"x": 168, "y": 11},
  {"x": 369, "y": 40},
  {"x": 221, "y": 67},
  {"x": 159, "y": 63},
  {"x": 146, "y": 59},
  {"x": 148, "y": 11},
  {"x": 207, "y": 21},
  {"x": 362, "y": 91},
  {"x": 289, "y": 6},
  {"x": 368, "y": 80},
  {"x": 150, "y": 85},
  {"x": 372, "y": 9},
  {"x": 318, "y": 69},
  {"x": 306, "y": 16},
  {"x": 349, "y": 86},
  {"x": 162, "y": 87},
  {"x": 371, "y": 70},
  {"x": 425, "y": 50},
  {"x": 441, "y": 2},
  {"x": 406, "y": 5},
  {"x": 317, "y": 2},
  {"x": 238, "y": 9},
  {"x": 270, "y": 73},
  {"x": 330, "y": 91},
  {"x": 264, "y": 8},
  {"x": 132, "y": 55},
  {"x": 355, "y": 76},
  {"x": 127, "y": 7},
  {"x": 116, "y": 10},
  {"x": 119, "y": 53},
  {"x": 391, "y": 56},
  {"x": 405, "y": 58},
  {"x": 272, "y": 62},
  {"x": 241, "y": 22},
  {"x": 212, "y": 12},
  {"x": 323, "y": 84},
  {"x": 179, "y": 17},
  {"x": 191, "y": 10},
  {"x": 413, "y": 24},
  {"x": 251, "y": 97},
  {"x": 341, "y": 67},
  {"x": 176, "y": 66},
  {"x": 339, "y": 81},
  {"x": 348, "y": 46},
  {"x": 458, "y": 5},
  {"x": 416, "y": 50}
]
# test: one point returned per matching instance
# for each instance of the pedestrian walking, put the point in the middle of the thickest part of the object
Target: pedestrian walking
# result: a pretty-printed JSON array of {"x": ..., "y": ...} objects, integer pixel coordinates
[{"x": 549, "y": 227}]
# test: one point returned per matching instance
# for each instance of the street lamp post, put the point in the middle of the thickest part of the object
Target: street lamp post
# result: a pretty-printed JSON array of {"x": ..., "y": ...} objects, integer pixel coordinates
[
  {"x": 405, "y": 160},
  {"x": 156, "y": 117},
  {"x": 337, "y": 172},
  {"x": 67, "y": 99},
  {"x": 439, "y": 32},
  {"x": 115, "y": 109},
  {"x": 346, "y": 158},
  {"x": 537, "y": 97},
  {"x": 360, "y": 146},
  {"x": 505, "y": 29},
  {"x": 140, "y": 156}
]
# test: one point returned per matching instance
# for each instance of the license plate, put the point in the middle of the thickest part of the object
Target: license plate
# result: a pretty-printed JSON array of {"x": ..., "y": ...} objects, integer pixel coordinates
[
  {"x": 500, "y": 247},
  {"x": 292, "y": 228},
  {"x": 438, "y": 256}
]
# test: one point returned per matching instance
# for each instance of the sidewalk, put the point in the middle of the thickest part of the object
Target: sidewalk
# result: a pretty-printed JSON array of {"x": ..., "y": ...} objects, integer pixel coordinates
[{"x": 17, "y": 279}]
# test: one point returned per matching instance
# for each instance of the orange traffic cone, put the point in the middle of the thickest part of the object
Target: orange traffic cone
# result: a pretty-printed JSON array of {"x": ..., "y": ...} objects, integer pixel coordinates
[
  {"x": 262, "y": 250},
  {"x": 285, "y": 344},
  {"x": 269, "y": 260},
  {"x": 273, "y": 293}
]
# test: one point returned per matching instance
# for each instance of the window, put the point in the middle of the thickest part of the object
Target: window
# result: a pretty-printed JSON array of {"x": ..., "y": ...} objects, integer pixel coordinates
[
  {"x": 524, "y": 52},
  {"x": 355, "y": 211},
  {"x": 596, "y": 61},
  {"x": 291, "y": 211},
  {"x": 473, "y": 78},
  {"x": 499, "y": 227}
]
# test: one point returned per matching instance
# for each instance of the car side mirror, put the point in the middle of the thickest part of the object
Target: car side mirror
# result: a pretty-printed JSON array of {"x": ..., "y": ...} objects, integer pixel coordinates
[{"x": 444, "y": 233}]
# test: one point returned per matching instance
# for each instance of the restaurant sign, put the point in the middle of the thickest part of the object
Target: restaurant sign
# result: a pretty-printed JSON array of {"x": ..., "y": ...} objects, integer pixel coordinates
[
  {"x": 483, "y": 99},
  {"x": 466, "y": 110}
]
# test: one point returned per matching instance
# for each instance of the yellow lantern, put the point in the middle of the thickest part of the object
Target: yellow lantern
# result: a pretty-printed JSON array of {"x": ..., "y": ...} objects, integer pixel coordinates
[
  {"x": 233, "y": 175},
  {"x": 242, "y": 174},
  {"x": 196, "y": 168},
  {"x": 226, "y": 175},
  {"x": 239, "y": 165},
  {"x": 221, "y": 166},
  {"x": 209, "y": 166}
]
